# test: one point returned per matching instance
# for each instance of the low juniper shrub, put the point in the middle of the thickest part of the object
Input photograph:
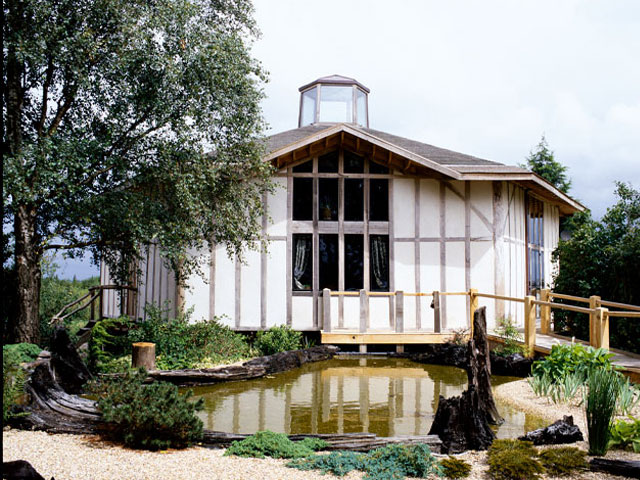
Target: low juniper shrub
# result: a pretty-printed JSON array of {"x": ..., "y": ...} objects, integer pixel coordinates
[
  {"x": 275, "y": 445},
  {"x": 21, "y": 352},
  {"x": 514, "y": 460},
  {"x": 563, "y": 461},
  {"x": 455, "y": 468}
]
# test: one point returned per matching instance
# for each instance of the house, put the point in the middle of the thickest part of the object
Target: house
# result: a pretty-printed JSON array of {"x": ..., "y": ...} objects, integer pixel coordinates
[{"x": 360, "y": 209}]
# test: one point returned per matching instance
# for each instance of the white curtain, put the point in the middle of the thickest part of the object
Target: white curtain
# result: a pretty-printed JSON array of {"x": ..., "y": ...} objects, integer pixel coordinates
[{"x": 302, "y": 255}]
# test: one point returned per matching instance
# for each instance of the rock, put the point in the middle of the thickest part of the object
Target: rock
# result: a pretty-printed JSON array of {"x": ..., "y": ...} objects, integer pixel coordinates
[
  {"x": 69, "y": 369},
  {"x": 443, "y": 354},
  {"x": 561, "y": 431},
  {"x": 20, "y": 470},
  {"x": 514, "y": 365},
  {"x": 623, "y": 468}
]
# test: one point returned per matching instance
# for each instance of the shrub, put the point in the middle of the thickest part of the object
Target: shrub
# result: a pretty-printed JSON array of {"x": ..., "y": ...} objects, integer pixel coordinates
[
  {"x": 600, "y": 405},
  {"x": 152, "y": 417},
  {"x": 513, "y": 460},
  {"x": 275, "y": 445},
  {"x": 625, "y": 434},
  {"x": 106, "y": 348},
  {"x": 509, "y": 445},
  {"x": 455, "y": 468},
  {"x": 386, "y": 463},
  {"x": 278, "y": 339},
  {"x": 21, "y": 352},
  {"x": 512, "y": 338},
  {"x": 563, "y": 461},
  {"x": 572, "y": 359},
  {"x": 13, "y": 378}
]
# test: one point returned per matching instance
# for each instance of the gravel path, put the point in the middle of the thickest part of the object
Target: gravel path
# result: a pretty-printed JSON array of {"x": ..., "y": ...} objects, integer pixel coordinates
[{"x": 70, "y": 457}]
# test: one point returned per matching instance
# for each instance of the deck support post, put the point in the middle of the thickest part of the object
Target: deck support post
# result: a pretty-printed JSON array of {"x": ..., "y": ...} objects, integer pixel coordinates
[
  {"x": 545, "y": 312},
  {"x": 437, "y": 323},
  {"x": 326, "y": 310},
  {"x": 529, "y": 325},
  {"x": 594, "y": 336},
  {"x": 399, "y": 311},
  {"x": 473, "y": 306},
  {"x": 364, "y": 311}
]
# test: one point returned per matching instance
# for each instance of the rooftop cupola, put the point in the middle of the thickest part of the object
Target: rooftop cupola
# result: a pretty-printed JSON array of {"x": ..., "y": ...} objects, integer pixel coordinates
[{"x": 334, "y": 99}]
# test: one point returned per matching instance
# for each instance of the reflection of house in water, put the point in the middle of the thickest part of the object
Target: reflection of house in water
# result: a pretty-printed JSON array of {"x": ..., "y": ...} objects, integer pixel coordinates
[{"x": 383, "y": 396}]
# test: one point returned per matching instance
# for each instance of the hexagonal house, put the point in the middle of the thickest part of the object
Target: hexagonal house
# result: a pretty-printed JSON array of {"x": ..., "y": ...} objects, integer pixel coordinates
[{"x": 366, "y": 214}]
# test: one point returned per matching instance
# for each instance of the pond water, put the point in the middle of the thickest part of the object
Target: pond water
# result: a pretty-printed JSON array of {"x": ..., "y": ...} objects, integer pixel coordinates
[{"x": 385, "y": 396}]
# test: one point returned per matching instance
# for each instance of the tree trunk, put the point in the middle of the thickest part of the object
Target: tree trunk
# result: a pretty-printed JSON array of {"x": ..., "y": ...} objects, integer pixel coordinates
[{"x": 26, "y": 326}]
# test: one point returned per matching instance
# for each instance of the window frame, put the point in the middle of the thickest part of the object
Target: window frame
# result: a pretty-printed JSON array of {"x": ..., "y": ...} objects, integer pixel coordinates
[{"x": 535, "y": 243}]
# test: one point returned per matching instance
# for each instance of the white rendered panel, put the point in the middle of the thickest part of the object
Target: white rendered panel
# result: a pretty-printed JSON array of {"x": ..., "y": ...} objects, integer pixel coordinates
[
  {"x": 405, "y": 279},
  {"x": 404, "y": 208},
  {"x": 429, "y": 208},
  {"x": 277, "y": 284},
  {"x": 456, "y": 305},
  {"x": 250, "y": 288},
  {"x": 379, "y": 312},
  {"x": 225, "y": 289},
  {"x": 482, "y": 211},
  {"x": 429, "y": 279},
  {"x": 351, "y": 313},
  {"x": 302, "y": 313},
  {"x": 277, "y": 205},
  {"x": 482, "y": 266},
  {"x": 454, "y": 208}
]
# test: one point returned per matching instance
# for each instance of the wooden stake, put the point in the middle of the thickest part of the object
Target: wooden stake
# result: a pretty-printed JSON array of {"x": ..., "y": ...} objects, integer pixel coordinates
[
  {"x": 529, "y": 325},
  {"x": 473, "y": 303},
  {"x": 545, "y": 312}
]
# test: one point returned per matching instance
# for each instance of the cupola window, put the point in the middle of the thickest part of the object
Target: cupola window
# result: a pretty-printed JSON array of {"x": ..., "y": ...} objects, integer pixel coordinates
[{"x": 334, "y": 99}]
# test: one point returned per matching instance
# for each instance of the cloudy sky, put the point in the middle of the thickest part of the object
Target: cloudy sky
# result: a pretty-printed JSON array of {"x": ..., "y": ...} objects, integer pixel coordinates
[{"x": 484, "y": 78}]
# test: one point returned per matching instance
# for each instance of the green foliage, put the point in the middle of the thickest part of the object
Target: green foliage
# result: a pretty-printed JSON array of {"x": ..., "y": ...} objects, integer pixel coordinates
[
  {"x": 563, "y": 461},
  {"x": 600, "y": 405},
  {"x": 625, "y": 435},
  {"x": 386, "y": 463},
  {"x": 514, "y": 460},
  {"x": 114, "y": 108},
  {"x": 507, "y": 329},
  {"x": 107, "y": 349},
  {"x": 572, "y": 359},
  {"x": 152, "y": 417},
  {"x": 455, "y": 468},
  {"x": 542, "y": 162},
  {"x": 278, "y": 339},
  {"x": 275, "y": 445},
  {"x": 13, "y": 378},
  {"x": 628, "y": 398},
  {"x": 21, "y": 352},
  {"x": 519, "y": 447},
  {"x": 603, "y": 258}
]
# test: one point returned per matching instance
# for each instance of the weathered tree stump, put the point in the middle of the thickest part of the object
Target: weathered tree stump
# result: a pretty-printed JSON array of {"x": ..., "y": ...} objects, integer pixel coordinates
[
  {"x": 462, "y": 423},
  {"x": 143, "y": 354},
  {"x": 68, "y": 368},
  {"x": 623, "y": 468}
]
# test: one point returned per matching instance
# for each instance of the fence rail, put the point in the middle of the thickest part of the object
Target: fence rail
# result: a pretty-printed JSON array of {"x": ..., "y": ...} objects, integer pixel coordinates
[{"x": 598, "y": 315}]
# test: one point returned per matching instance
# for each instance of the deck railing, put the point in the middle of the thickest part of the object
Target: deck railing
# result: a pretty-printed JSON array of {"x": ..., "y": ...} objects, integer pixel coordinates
[{"x": 597, "y": 310}]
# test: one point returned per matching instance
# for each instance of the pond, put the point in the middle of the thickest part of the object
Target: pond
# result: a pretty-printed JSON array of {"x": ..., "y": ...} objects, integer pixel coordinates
[{"x": 385, "y": 396}]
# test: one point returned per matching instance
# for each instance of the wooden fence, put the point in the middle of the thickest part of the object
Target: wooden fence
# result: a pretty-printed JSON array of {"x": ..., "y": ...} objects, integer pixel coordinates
[{"x": 597, "y": 310}]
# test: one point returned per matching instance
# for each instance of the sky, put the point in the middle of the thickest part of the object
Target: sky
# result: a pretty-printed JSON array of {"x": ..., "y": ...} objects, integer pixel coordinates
[{"x": 484, "y": 78}]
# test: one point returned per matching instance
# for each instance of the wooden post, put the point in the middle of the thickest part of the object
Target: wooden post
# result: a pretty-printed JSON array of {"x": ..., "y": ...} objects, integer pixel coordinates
[
  {"x": 437, "y": 324},
  {"x": 143, "y": 355},
  {"x": 399, "y": 311},
  {"x": 529, "y": 325},
  {"x": 326, "y": 310},
  {"x": 545, "y": 312},
  {"x": 473, "y": 306},
  {"x": 594, "y": 303},
  {"x": 602, "y": 327},
  {"x": 364, "y": 311}
]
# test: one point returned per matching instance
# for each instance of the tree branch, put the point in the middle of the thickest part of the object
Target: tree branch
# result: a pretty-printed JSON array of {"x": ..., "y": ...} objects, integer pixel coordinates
[
  {"x": 71, "y": 246},
  {"x": 62, "y": 110},
  {"x": 45, "y": 96}
]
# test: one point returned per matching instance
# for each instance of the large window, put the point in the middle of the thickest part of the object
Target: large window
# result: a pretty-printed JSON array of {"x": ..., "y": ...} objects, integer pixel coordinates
[
  {"x": 535, "y": 240},
  {"x": 340, "y": 213}
]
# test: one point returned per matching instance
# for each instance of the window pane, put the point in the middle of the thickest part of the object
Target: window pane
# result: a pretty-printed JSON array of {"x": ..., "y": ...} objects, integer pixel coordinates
[
  {"x": 353, "y": 199},
  {"x": 353, "y": 163},
  {"x": 328, "y": 163},
  {"x": 336, "y": 104},
  {"x": 379, "y": 262},
  {"x": 327, "y": 199},
  {"x": 353, "y": 262},
  {"x": 328, "y": 261},
  {"x": 361, "y": 107},
  {"x": 306, "y": 167},
  {"x": 377, "y": 168},
  {"x": 302, "y": 262},
  {"x": 379, "y": 200},
  {"x": 303, "y": 199},
  {"x": 309, "y": 107}
]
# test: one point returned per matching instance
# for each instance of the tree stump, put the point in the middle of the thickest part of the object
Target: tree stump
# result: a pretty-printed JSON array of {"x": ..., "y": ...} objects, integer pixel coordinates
[
  {"x": 143, "y": 355},
  {"x": 462, "y": 423},
  {"x": 68, "y": 368}
]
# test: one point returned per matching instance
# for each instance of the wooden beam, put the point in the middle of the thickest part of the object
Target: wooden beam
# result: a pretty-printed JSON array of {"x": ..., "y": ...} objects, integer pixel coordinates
[{"x": 384, "y": 338}]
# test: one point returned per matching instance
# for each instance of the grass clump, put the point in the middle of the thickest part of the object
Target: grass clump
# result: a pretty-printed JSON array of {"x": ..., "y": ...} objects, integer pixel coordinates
[
  {"x": 386, "y": 463},
  {"x": 560, "y": 462},
  {"x": 455, "y": 468},
  {"x": 151, "y": 417},
  {"x": 600, "y": 406},
  {"x": 278, "y": 339},
  {"x": 275, "y": 445}
]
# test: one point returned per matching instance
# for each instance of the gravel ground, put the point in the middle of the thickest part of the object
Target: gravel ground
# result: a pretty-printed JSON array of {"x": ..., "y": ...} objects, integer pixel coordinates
[{"x": 70, "y": 457}]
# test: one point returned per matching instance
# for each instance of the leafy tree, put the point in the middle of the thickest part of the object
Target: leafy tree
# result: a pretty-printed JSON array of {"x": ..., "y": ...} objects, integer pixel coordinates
[
  {"x": 543, "y": 162},
  {"x": 603, "y": 258},
  {"x": 109, "y": 110}
]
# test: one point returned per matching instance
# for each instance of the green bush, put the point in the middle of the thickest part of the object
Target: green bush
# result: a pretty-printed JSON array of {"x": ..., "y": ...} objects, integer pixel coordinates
[
  {"x": 274, "y": 445},
  {"x": 514, "y": 460},
  {"x": 572, "y": 359},
  {"x": 625, "y": 435},
  {"x": 386, "y": 463},
  {"x": 600, "y": 405},
  {"x": 13, "y": 378},
  {"x": 563, "y": 461},
  {"x": 105, "y": 348},
  {"x": 455, "y": 468},
  {"x": 278, "y": 339},
  {"x": 21, "y": 352},
  {"x": 511, "y": 336},
  {"x": 152, "y": 417}
]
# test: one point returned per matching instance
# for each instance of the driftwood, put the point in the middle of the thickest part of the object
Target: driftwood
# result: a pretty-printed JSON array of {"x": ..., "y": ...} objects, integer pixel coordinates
[
  {"x": 462, "y": 422},
  {"x": 623, "y": 468},
  {"x": 560, "y": 431}
]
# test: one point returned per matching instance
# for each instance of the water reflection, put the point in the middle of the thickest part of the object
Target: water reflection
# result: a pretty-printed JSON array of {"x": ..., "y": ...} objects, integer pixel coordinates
[{"x": 385, "y": 396}]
